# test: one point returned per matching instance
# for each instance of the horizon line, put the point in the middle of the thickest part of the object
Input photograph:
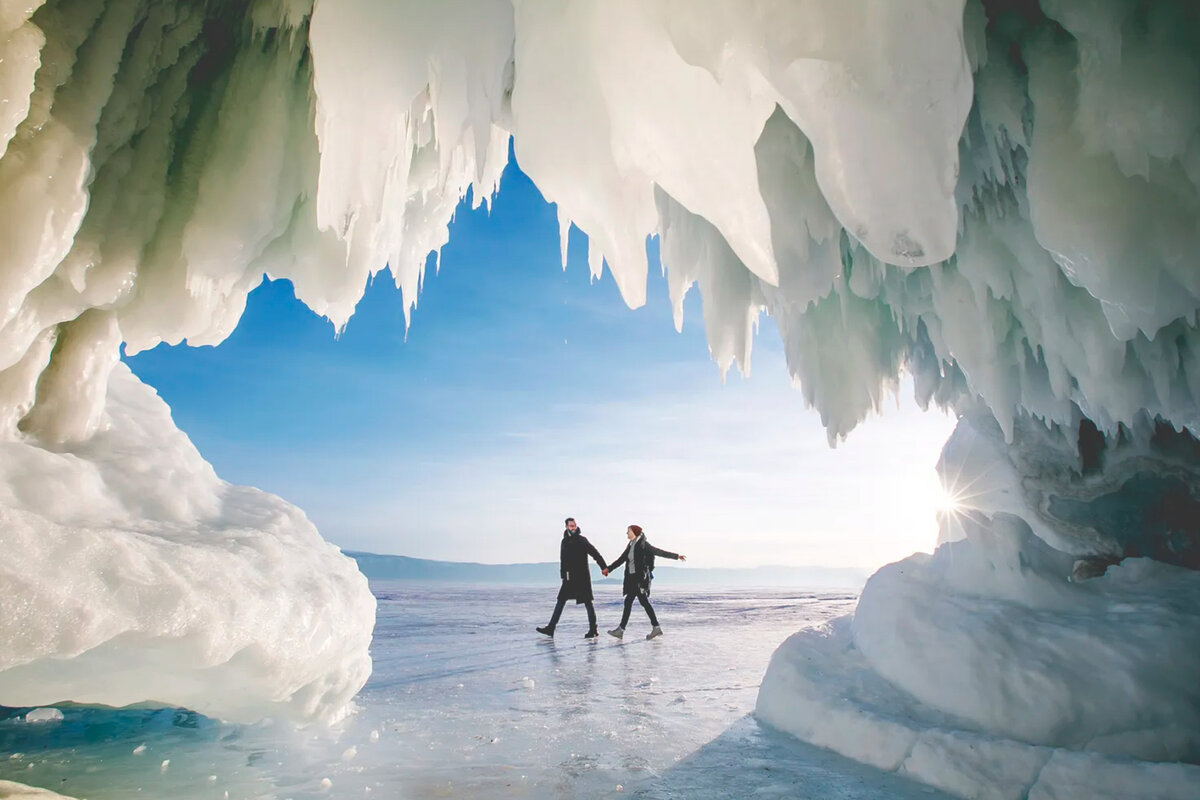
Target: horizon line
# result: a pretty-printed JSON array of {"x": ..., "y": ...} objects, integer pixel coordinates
[{"x": 353, "y": 553}]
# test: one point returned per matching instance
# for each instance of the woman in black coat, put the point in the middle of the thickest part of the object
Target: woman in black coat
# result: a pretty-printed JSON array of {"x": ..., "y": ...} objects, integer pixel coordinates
[
  {"x": 576, "y": 577},
  {"x": 638, "y": 559}
]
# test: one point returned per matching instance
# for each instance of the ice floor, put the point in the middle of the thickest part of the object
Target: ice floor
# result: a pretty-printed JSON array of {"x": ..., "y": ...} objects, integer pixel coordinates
[{"x": 467, "y": 701}]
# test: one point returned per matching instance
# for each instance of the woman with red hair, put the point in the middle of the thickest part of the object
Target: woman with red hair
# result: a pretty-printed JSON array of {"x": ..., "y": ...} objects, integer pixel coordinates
[{"x": 638, "y": 559}]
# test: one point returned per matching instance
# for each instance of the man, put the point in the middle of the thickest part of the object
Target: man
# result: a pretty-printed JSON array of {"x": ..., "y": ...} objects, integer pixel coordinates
[{"x": 576, "y": 577}]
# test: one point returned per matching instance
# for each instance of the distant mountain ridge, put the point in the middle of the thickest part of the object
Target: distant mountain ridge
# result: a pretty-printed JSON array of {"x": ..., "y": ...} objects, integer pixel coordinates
[{"x": 404, "y": 568}]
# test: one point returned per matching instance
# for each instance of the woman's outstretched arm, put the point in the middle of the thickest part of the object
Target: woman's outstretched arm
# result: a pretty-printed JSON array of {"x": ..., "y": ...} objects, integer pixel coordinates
[{"x": 666, "y": 554}]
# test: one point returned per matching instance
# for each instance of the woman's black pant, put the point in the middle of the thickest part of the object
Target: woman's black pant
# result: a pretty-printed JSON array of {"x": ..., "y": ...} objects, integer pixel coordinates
[
  {"x": 645, "y": 601},
  {"x": 558, "y": 609}
]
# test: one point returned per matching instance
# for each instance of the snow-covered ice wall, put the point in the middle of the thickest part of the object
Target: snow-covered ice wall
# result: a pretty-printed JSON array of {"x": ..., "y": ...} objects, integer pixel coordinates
[{"x": 1002, "y": 198}]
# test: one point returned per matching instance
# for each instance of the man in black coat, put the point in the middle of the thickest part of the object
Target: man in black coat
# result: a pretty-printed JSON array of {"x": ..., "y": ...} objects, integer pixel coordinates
[{"x": 576, "y": 577}]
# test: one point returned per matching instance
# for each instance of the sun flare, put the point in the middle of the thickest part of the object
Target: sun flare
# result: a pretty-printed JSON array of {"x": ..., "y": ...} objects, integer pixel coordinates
[{"x": 946, "y": 501}]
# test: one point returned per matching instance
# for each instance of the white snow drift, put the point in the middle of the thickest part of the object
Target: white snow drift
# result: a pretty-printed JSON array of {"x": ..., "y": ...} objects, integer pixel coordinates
[
  {"x": 1003, "y": 201},
  {"x": 132, "y": 573}
]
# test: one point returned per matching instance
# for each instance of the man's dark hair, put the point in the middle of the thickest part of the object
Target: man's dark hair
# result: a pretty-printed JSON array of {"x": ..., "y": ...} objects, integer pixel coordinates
[{"x": 568, "y": 520}]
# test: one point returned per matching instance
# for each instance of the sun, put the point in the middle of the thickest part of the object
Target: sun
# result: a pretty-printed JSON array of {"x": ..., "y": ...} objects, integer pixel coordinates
[{"x": 945, "y": 501}]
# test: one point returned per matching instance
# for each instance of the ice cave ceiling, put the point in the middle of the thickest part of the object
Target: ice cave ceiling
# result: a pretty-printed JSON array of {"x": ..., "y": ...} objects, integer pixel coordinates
[{"x": 1002, "y": 198}]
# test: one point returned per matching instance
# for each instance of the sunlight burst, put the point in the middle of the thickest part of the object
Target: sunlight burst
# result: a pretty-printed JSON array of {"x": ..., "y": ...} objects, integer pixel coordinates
[{"x": 946, "y": 501}]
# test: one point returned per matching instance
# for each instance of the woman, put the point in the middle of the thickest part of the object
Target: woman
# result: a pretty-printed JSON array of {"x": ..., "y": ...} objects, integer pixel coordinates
[{"x": 638, "y": 559}]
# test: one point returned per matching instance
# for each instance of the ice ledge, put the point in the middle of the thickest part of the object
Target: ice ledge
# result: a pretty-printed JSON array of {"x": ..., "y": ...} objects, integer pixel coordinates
[{"x": 820, "y": 689}]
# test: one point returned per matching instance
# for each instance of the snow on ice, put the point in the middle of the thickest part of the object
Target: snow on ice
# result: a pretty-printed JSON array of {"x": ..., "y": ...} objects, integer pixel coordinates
[
  {"x": 130, "y": 543},
  {"x": 983, "y": 671},
  {"x": 1001, "y": 199}
]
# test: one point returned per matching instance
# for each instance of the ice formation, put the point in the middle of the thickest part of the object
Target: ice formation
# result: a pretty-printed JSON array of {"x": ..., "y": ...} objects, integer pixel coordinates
[
  {"x": 19, "y": 791},
  {"x": 40, "y": 715},
  {"x": 1002, "y": 198},
  {"x": 133, "y": 573},
  {"x": 997, "y": 667}
]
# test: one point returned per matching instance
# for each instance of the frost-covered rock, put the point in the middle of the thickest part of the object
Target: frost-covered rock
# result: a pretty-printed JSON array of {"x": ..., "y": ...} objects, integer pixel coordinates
[{"x": 133, "y": 573}]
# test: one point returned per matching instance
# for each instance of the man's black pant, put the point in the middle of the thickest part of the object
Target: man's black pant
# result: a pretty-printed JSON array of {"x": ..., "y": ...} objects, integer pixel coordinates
[
  {"x": 558, "y": 609},
  {"x": 645, "y": 604}
]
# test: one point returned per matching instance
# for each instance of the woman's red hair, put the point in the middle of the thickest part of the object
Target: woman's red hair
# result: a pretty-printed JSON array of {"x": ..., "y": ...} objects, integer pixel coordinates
[{"x": 637, "y": 529}]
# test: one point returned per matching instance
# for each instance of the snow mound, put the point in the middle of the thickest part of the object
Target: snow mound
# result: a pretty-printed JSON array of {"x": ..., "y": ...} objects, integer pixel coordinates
[
  {"x": 19, "y": 791},
  {"x": 819, "y": 688},
  {"x": 822, "y": 688},
  {"x": 133, "y": 573},
  {"x": 990, "y": 631},
  {"x": 998, "y": 668}
]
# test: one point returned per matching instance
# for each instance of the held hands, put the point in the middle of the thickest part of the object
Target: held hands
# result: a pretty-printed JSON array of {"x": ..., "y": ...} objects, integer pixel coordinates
[{"x": 604, "y": 572}]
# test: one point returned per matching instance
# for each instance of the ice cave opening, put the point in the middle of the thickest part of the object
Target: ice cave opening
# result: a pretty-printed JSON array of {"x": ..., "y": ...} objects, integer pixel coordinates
[{"x": 1000, "y": 198}]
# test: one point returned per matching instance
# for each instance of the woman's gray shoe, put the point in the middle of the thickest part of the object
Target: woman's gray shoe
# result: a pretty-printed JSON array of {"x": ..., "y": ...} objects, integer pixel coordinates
[
  {"x": 654, "y": 633},
  {"x": 617, "y": 632}
]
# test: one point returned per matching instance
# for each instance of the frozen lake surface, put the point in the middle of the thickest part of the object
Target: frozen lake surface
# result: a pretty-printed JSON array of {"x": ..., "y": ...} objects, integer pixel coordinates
[{"x": 467, "y": 701}]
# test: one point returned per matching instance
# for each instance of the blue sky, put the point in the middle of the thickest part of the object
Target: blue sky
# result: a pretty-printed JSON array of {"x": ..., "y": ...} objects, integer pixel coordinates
[{"x": 523, "y": 393}]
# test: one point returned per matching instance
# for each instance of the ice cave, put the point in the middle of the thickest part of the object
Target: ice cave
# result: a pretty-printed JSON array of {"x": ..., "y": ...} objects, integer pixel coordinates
[{"x": 999, "y": 198}]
